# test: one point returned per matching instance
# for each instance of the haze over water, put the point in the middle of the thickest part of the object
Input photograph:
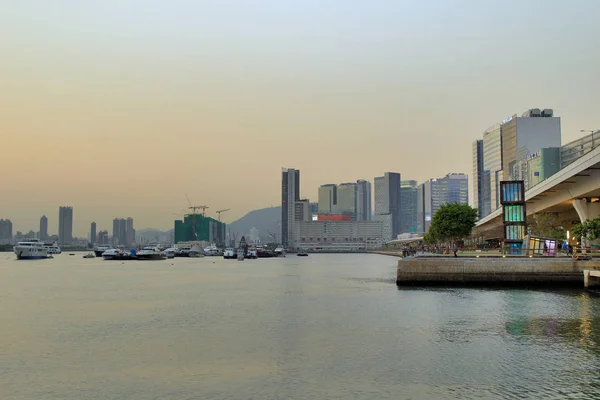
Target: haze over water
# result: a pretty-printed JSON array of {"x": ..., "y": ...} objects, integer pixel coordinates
[
  {"x": 120, "y": 108},
  {"x": 325, "y": 326}
]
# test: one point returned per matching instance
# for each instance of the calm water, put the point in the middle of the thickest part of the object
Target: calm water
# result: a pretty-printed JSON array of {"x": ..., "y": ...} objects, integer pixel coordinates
[{"x": 321, "y": 327}]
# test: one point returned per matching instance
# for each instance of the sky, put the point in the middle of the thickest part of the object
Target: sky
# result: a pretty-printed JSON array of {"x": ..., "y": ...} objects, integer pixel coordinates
[{"x": 127, "y": 107}]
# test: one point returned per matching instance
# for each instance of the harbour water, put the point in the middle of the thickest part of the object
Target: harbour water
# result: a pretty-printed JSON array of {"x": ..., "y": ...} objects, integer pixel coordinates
[{"x": 317, "y": 327}]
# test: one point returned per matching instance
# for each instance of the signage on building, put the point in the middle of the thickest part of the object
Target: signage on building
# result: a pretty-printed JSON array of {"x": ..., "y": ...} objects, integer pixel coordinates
[
  {"x": 533, "y": 155},
  {"x": 507, "y": 119}
]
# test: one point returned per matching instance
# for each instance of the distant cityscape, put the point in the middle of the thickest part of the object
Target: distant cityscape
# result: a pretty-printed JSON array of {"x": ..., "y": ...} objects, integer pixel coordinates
[{"x": 358, "y": 215}]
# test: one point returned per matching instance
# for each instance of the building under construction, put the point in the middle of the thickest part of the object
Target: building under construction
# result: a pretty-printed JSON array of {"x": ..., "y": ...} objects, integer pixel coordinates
[{"x": 196, "y": 227}]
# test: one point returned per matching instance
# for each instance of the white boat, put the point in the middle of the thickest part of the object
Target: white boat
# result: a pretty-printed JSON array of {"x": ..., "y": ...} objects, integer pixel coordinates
[
  {"x": 53, "y": 248},
  {"x": 279, "y": 251},
  {"x": 196, "y": 252},
  {"x": 150, "y": 253},
  {"x": 170, "y": 252},
  {"x": 30, "y": 249},
  {"x": 229, "y": 253},
  {"x": 98, "y": 250},
  {"x": 212, "y": 250},
  {"x": 252, "y": 254},
  {"x": 240, "y": 255},
  {"x": 117, "y": 255}
]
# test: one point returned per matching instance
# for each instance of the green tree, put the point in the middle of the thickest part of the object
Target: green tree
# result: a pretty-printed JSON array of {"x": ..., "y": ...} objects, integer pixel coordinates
[
  {"x": 547, "y": 225},
  {"x": 589, "y": 229},
  {"x": 451, "y": 222}
]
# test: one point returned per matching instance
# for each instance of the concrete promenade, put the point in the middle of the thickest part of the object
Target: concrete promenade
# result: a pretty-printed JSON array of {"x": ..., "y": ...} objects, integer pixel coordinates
[{"x": 493, "y": 271}]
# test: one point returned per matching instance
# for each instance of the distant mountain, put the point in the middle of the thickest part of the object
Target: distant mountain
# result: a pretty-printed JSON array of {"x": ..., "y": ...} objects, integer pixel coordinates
[
  {"x": 265, "y": 219},
  {"x": 151, "y": 235}
]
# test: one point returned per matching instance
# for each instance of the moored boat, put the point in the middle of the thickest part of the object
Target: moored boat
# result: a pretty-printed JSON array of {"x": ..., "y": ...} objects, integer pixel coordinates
[
  {"x": 98, "y": 250},
  {"x": 150, "y": 253},
  {"x": 31, "y": 249},
  {"x": 53, "y": 248}
]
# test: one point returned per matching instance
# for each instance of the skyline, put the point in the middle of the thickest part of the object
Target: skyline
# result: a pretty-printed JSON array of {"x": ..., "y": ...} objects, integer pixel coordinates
[{"x": 125, "y": 110}]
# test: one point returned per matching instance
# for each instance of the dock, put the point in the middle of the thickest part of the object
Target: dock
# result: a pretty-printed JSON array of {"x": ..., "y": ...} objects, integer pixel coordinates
[{"x": 498, "y": 271}]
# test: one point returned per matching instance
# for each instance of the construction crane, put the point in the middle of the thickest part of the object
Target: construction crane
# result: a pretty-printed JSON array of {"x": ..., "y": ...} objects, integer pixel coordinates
[
  {"x": 194, "y": 209},
  {"x": 222, "y": 211},
  {"x": 272, "y": 236},
  {"x": 203, "y": 208}
]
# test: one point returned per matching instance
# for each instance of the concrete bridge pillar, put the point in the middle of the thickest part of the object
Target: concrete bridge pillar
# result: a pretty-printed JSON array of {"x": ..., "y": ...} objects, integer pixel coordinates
[{"x": 586, "y": 209}]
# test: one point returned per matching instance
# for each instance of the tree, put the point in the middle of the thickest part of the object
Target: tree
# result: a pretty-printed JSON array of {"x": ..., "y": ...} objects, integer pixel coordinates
[
  {"x": 547, "y": 225},
  {"x": 451, "y": 222},
  {"x": 589, "y": 229}
]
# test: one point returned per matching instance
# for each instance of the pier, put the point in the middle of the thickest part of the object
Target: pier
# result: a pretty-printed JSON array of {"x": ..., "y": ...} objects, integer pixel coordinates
[{"x": 497, "y": 271}]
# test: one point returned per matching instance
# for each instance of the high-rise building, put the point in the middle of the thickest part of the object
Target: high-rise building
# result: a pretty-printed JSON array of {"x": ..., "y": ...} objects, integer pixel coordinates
[
  {"x": 363, "y": 200},
  {"x": 408, "y": 206},
  {"x": 387, "y": 199},
  {"x": 197, "y": 227},
  {"x": 346, "y": 199},
  {"x": 102, "y": 237},
  {"x": 524, "y": 135},
  {"x": 6, "y": 230},
  {"x": 290, "y": 194},
  {"x": 65, "y": 225},
  {"x": 432, "y": 194},
  {"x": 93, "y": 232},
  {"x": 478, "y": 176},
  {"x": 327, "y": 198},
  {"x": 130, "y": 232},
  {"x": 302, "y": 210},
  {"x": 43, "y": 228},
  {"x": 505, "y": 150}
]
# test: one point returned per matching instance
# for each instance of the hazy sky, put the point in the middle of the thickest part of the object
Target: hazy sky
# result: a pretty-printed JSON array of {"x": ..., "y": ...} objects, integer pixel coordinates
[{"x": 121, "y": 107}]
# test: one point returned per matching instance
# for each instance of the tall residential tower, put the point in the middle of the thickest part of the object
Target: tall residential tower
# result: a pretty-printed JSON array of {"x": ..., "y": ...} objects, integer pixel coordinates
[
  {"x": 65, "y": 225},
  {"x": 290, "y": 194}
]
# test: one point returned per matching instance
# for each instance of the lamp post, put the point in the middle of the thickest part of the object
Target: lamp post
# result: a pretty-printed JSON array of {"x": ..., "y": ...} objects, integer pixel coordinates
[{"x": 592, "y": 131}]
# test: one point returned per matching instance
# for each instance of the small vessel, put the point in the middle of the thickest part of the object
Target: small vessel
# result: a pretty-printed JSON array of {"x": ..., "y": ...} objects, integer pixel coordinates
[
  {"x": 53, "y": 248},
  {"x": 170, "y": 252},
  {"x": 212, "y": 250},
  {"x": 150, "y": 253},
  {"x": 89, "y": 255},
  {"x": 117, "y": 255},
  {"x": 240, "y": 255},
  {"x": 98, "y": 250},
  {"x": 196, "y": 252},
  {"x": 229, "y": 253},
  {"x": 279, "y": 252},
  {"x": 30, "y": 249},
  {"x": 302, "y": 254},
  {"x": 252, "y": 254},
  {"x": 183, "y": 250}
]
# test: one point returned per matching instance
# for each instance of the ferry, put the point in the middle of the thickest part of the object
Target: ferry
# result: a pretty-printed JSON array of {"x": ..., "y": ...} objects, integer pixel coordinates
[
  {"x": 30, "y": 249},
  {"x": 117, "y": 255},
  {"x": 53, "y": 248},
  {"x": 98, "y": 250}
]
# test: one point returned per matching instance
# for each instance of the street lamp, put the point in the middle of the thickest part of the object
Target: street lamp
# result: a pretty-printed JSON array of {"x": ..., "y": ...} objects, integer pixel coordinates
[{"x": 592, "y": 131}]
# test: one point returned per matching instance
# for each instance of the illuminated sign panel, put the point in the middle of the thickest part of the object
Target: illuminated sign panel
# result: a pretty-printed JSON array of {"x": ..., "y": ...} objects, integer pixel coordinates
[{"x": 514, "y": 215}]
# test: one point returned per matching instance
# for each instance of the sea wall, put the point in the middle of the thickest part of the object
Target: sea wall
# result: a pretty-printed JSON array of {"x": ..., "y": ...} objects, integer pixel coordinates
[{"x": 432, "y": 271}]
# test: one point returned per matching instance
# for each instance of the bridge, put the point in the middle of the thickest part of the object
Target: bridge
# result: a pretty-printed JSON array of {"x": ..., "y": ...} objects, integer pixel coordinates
[{"x": 573, "y": 193}]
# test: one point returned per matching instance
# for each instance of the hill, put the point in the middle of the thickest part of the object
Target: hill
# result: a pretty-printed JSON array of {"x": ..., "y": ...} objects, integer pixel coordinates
[{"x": 265, "y": 219}]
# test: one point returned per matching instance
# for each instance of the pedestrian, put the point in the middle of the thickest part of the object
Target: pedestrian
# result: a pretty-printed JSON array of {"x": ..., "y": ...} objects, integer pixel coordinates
[{"x": 455, "y": 250}]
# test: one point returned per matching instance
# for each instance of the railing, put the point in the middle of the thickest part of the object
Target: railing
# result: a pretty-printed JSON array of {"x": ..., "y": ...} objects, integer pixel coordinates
[{"x": 574, "y": 150}]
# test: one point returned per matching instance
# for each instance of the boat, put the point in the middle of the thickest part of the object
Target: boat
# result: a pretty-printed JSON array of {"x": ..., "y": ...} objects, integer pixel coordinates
[
  {"x": 183, "y": 250},
  {"x": 302, "y": 254},
  {"x": 53, "y": 248},
  {"x": 279, "y": 252},
  {"x": 150, "y": 253},
  {"x": 252, "y": 254},
  {"x": 240, "y": 254},
  {"x": 89, "y": 255},
  {"x": 118, "y": 255},
  {"x": 170, "y": 252},
  {"x": 229, "y": 253},
  {"x": 196, "y": 252},
  {"x": 212, "y": 250},
  {"x": 30, "y": 249},
  {"x": 98, "y": 250}
]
